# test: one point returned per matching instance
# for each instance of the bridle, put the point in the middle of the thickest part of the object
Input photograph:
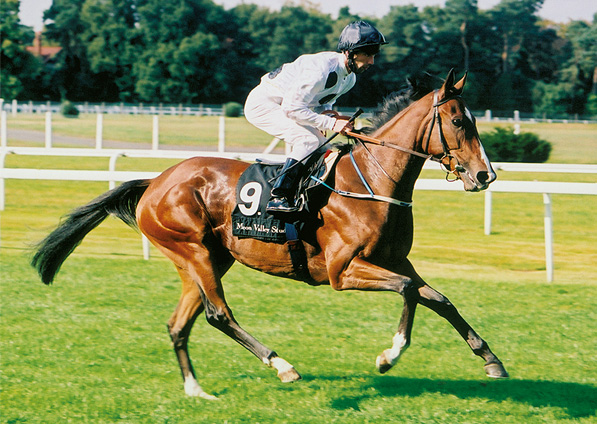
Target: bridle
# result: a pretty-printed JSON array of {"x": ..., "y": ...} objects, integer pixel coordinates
[{"x": 445, "y": 161}]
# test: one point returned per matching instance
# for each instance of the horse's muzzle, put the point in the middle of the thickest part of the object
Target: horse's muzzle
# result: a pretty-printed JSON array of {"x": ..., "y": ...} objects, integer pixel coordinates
[{"x": 479, "y": 182}]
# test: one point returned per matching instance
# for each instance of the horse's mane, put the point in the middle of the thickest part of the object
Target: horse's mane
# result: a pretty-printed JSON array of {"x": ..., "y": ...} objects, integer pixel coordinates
[{"x": 399, "y": 100}]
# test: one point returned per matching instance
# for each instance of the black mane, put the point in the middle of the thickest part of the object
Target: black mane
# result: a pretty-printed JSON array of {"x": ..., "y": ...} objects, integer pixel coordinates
[{"x": 399, "y": 100}]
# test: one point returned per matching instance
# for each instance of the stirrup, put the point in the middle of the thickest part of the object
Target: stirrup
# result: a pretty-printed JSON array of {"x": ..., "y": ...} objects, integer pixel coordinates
[{"x": 280, "y": 204}]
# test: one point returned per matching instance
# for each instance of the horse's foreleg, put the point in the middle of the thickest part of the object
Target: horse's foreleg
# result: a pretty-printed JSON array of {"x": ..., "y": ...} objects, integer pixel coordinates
[
  {"x": 401, "y": 340},
  {"x": 179, "y": 327},
  {"x": 362, "y": 275},
  {"x": 443, "y": 307}
]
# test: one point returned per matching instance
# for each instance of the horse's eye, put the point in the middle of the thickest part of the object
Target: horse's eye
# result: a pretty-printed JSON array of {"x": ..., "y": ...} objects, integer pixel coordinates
[{"x": 458, "y": 122}]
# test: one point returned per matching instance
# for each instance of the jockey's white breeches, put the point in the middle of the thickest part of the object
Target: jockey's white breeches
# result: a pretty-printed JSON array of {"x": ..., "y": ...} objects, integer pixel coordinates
[{"x": 267, "y": 115}]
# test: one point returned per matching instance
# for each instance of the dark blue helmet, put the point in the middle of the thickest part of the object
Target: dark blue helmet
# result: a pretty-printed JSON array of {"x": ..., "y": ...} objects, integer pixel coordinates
[{"x": 359, "y": 35}]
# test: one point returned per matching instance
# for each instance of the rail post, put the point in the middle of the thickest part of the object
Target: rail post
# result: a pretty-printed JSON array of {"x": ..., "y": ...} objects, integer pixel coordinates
[
  {"x": 112, "y": 168},
  {"x": 488, "y": 206},
  {"x": 222, "y": 135},
  {"x": 548, "y": 237},
  {"x": 2, "y": 186},
  {"x": 99, "y": 131},
  {"x": 48, "y": 129},
  {"x": 3, "y": 129},
  {"x": 155, "y": 139},
  {"x": 145, "y": 243}
]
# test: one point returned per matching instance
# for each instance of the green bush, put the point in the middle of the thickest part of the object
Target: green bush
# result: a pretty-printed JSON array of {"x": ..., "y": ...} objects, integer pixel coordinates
[
  {"x": 69, "y": 110},
  {"x": 502, "y": 145},
  {"x": 233, "y": 109},
  {"x": 591, "y": 107}
]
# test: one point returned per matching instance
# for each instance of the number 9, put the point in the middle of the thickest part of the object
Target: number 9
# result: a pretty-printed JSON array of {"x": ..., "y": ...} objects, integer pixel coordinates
[{"x": 250, "y": 194}]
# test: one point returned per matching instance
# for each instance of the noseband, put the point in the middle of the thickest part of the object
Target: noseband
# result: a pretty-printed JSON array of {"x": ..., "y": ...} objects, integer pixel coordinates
[{"x": 447, "y": 158}]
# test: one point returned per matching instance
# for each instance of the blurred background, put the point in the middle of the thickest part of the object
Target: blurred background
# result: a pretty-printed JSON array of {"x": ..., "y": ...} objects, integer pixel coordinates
[{"x": 535, "y": 56}]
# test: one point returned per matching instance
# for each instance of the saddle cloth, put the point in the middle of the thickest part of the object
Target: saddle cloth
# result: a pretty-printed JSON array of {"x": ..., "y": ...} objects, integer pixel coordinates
[{"x": 249, "y": 217}]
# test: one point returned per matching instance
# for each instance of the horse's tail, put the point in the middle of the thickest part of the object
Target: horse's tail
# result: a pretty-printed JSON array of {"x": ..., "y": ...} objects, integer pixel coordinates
[{"x": 55, "y": 248}]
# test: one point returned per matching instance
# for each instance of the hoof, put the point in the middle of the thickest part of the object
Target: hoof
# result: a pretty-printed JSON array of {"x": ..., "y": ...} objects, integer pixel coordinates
[
  {"x": 207, "y": 396},
  {"x": 382, "y": 363},
  {"x": 496, "y": 370},
  {"x": 192, "y": 388},
  {"x": 286, "y": 372},
  {"x": 289, "y": 376}
]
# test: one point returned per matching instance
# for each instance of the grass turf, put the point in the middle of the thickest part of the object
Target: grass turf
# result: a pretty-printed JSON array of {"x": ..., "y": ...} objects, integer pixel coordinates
[{"x": 93, "y": 347}]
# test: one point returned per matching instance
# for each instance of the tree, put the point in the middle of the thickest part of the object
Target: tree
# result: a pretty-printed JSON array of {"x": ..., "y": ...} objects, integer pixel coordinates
[
  {"x": 514, "y": 20},
  {"x": 71, "y": 73},
  {"x": 187, "y": 72},
  {"x": 195, "y": 51},
  {"x": 408, "y": 48},
  {"x": 583, "y": 63},
  {"x": 113, "y": 43},
  {"x": 19, "y": 67},
  {"x": 296, "y": 32},
  {"x": 458, "y": 16}
]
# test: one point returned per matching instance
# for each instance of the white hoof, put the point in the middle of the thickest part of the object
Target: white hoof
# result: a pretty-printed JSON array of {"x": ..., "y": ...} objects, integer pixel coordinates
[
  {"x": 382, "y": 363},
  {"x": 286, "y": 372},
  {"x": 207, "y": 396},
  {"x": 192, "y": 388}
]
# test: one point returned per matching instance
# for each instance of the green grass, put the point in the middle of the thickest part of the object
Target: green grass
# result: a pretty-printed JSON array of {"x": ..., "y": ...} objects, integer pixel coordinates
[
  {"x": 93, "y": 347},
  {"x": 173, "y": 130},
  {"x": 572, "y": 143}
]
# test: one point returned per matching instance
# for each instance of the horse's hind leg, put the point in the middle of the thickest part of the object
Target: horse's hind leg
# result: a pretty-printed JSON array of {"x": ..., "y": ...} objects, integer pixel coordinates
[
  {"x": 443, "y": 307},
  {"x": 179, "y": 327},
  {"x": 219, "y": 315},
  {"x": 177, "y": 222}
]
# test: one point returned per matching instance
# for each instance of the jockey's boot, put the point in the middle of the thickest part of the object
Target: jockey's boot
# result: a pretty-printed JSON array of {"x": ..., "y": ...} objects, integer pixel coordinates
[{"x": 282, "y": 196}]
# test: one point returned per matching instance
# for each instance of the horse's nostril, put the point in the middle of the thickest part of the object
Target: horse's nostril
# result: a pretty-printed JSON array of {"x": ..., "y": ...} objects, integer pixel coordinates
[{"x": 482, "y": 177}]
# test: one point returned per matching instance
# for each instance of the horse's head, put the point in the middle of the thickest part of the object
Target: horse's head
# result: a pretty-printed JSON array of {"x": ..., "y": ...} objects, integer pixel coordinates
[{"x": 454, "y": 137}]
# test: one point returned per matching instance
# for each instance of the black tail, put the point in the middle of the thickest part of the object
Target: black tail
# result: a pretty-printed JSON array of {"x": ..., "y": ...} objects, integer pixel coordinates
[{"x": 55, "y": 248}]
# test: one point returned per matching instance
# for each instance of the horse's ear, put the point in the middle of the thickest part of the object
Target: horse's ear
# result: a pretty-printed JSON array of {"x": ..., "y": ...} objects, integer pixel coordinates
[
  {"x": 449, "y": 80},
  {"x": 460, "y": 84},
  {"x": 448, "y": 86},
  {"x": 450, "y": 89}
]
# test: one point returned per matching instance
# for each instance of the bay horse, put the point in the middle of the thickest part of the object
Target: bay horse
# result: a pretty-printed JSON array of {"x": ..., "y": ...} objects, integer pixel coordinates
[{"x": 361, "y": 244}]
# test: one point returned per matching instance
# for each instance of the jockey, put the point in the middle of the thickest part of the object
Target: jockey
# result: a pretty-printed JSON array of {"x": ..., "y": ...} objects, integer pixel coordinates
[{"x": 289, "y": 101}]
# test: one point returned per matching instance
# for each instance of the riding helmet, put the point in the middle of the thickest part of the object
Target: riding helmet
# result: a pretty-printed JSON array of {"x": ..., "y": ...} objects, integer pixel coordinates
[{"x": 358, "y": 35}]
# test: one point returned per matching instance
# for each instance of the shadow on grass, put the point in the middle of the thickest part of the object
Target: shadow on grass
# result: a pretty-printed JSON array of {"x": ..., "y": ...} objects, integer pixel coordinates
[{"x": 577, "y": 400}]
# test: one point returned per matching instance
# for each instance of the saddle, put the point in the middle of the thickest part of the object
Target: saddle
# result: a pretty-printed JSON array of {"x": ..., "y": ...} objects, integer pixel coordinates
[
  {"x": 251, "y": 220},
  {"x": 249, "y": 217}
]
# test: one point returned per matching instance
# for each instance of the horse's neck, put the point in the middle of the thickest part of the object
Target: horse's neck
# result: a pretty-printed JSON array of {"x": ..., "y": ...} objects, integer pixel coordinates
[{"x": 407, "y": 130}]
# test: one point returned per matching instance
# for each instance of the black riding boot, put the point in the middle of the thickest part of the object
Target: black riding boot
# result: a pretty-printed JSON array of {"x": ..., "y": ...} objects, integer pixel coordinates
[{"x": 282, "y": 199}]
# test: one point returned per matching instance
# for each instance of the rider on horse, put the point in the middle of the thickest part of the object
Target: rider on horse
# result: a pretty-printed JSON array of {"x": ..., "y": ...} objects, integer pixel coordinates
[{"x": 288, "y": 103}]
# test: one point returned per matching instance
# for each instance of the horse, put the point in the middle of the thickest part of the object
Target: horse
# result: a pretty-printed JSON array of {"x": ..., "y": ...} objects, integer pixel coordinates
[{"x": 360, "y": 244}]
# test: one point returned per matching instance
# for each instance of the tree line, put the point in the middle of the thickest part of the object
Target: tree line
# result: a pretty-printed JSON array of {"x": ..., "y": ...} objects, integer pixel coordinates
[{"x": 195, "y": 51}]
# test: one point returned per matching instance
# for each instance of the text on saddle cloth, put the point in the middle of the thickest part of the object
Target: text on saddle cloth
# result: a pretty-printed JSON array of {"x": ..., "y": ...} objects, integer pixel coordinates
[{"x": 249, "y": 217}]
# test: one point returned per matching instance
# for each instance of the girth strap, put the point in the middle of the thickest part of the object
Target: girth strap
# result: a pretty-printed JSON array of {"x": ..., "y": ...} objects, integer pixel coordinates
[{"x": 298, "y": 256}]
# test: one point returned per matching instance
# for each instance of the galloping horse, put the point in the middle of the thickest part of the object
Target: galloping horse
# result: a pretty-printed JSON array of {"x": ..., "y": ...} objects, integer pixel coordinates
[{"x": 361, "y": 244}]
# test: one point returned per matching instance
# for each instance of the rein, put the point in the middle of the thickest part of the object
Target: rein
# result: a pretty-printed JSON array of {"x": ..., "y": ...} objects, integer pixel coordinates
[
  {"x": 366, "y": 139},
  {"x": 436, "y": 118},
  {"x": 370, "y": 196}
]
